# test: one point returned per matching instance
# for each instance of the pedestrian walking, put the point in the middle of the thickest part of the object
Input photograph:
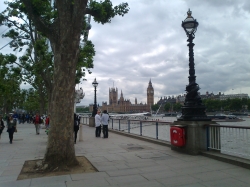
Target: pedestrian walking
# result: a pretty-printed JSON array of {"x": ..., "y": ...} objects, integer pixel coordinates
[
  {"x": 1, "y": 126},
  {"x": 76, "y": 126},
  {"x": 37, "y": 122},
  {"x": 23, "y": 118},
  {"x": 11, "y": 124},
  {"x": 105, "y": 122},
  {"x": 98, "y": 124},
  {"x": 47, "y": 122}
]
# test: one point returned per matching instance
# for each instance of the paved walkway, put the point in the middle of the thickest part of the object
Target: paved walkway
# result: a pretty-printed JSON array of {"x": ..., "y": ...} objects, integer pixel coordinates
[{"x": 120, "y": 160}]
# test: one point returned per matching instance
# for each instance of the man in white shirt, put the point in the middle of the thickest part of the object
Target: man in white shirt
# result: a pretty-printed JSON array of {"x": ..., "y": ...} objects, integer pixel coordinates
[
  {"x": 98, "y": 124},
  {"x": 105, "y": 122}
]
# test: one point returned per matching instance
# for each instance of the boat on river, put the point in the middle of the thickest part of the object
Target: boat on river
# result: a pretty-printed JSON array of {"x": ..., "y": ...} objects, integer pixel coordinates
[{"x": 225, "y": 118}]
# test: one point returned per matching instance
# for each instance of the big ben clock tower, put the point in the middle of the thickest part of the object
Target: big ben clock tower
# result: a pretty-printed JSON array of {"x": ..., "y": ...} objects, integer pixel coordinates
[{"x": 150, "y": 94}]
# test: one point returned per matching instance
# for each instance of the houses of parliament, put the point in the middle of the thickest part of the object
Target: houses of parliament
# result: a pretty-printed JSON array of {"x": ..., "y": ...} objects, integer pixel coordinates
[{"x": 123, "y": 105}]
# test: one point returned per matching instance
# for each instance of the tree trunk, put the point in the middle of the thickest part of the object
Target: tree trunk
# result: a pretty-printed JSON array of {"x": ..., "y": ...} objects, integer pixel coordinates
[{"x": 60, "y": 148}]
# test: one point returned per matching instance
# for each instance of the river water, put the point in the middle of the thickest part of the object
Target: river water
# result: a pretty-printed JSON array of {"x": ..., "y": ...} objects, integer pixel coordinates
[{"x": 234, "y": 142}]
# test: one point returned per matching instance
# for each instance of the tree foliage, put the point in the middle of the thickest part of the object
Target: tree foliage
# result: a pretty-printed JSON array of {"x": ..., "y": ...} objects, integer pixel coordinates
[
  {"x": 226, "y": 105},
  {"x": 37, "y": 61},
  {"x": 177, "y": 107},
  {"x": 103, "y": 11},
  {"x": 82, "y": 109},
  {"x": 167, "y": 107},
  {"x": 9, "y": 83},
  {"x": 154, "y": 107}
]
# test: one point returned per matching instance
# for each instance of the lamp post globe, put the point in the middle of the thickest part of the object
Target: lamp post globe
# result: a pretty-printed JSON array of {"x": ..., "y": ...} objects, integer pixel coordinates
[
  {"x": 193, "y": 109},
  {"x": 190, "y": 24},
  {"x": 95, "y": 84}
]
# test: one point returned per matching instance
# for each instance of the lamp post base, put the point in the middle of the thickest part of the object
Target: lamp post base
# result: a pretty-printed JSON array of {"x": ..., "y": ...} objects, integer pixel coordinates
[
  {"x": 91, "y": 122},
  {"x": 194, "y": 113},
  {"x": 196, "y": 136}
]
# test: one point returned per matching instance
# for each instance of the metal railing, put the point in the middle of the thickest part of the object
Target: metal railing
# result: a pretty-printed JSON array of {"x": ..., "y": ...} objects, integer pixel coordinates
[
  {"x": 84, "y": 120},
  {"x": 231, "y": 140},
  {"x": 227, "y": 139},
  {"x": 153, "y": 129}
]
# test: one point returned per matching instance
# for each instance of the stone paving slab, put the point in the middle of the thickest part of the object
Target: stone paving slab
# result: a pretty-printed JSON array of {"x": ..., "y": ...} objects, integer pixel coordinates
[
  {"x": 179, "y": 180},
  {"x": 143, "y": 184},
  {"x": 126, "y": 180},
  {"x": 49, "y": 181},
  {"x": 93, "y": 182},
  {"x": 86, "y": 176},
  {"x": 230, "y": 182},
  {"x": 120, "y": 160}
]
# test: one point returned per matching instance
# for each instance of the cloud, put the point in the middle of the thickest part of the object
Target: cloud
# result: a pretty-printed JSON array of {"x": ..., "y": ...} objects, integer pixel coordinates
[{"x": 149, "y": 43}]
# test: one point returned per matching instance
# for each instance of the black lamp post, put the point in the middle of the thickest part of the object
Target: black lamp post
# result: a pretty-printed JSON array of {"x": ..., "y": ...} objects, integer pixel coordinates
[
  {"x": 95, "y": 84},
  {"x": 193, "y": 109}
]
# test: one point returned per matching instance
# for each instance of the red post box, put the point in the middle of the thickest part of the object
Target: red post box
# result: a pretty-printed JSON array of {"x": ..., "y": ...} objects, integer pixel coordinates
[{"x": 177, "y": 135}]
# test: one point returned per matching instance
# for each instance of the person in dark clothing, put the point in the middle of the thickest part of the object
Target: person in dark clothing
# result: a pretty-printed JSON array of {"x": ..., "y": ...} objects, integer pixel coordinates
[
  {"x": 1, "y": 125},
  {"x": 76, "y": 126},
  {"x": 11, "y": 123},
  {"x": 23, "y": 118}
]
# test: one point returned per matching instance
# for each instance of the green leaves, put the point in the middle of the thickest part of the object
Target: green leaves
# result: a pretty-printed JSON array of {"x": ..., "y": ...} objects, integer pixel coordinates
[
  {"x": 104, "y": 11},
  {"x": 229, "y": 104},
  {"x": 10, "y": 80},
  {"x": 155, "y": 107},
  {"x": 85, "y": 60}
]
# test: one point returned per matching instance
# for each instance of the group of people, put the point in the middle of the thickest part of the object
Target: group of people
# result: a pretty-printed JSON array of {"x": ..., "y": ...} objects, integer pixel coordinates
[
  {"x": 12, "y": 120},
  {"x": 101, "y": 119}
]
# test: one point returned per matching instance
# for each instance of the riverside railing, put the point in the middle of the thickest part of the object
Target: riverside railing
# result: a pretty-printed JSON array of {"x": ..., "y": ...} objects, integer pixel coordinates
[
  {"x": 148, "y": 128},
  {"x": 227, "y": 139}
]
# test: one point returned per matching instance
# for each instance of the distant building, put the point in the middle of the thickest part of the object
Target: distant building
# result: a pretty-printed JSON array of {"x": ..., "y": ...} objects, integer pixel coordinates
[
  {"x": 181, "y": 98},
  {"x": 122, "y": 105},
  {"x": 221, "y": 96},
  {"x": 234, "y": 96},
  {"x": 165, "y": 100}
]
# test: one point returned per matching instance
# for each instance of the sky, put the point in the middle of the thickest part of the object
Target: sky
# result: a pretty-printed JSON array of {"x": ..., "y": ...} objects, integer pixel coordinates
[{"x": 148, "y": 43}]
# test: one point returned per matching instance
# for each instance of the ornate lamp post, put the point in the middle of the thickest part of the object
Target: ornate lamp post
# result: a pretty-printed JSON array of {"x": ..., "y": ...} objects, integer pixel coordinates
[
  {"x": 193, "y": 109},
  {"x": 95, "y": 84}
]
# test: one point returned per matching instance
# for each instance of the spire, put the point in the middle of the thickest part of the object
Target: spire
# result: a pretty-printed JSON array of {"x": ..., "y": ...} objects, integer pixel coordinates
[{"x": 150, "y": 83}]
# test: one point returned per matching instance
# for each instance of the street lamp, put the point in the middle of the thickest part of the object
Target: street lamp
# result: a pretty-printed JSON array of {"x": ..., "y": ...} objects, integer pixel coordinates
[
  {"x": 95, "y": 84},
  {"x": 193, "y": 109}
]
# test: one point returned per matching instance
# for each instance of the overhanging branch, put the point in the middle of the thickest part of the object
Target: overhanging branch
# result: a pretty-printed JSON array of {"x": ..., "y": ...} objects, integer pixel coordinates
[{"x": 38, "y": 22}]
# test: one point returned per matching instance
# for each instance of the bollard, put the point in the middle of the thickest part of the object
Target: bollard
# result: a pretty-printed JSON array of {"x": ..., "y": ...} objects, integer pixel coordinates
[
  {"x": 157, "y": 130},
  {"x": 80, "y": 133},
  {"x": 140, "y": 128}
]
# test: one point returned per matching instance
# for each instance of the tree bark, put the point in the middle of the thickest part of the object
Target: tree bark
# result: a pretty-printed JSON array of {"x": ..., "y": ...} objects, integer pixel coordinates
[{"x": 60, "y": 148}]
